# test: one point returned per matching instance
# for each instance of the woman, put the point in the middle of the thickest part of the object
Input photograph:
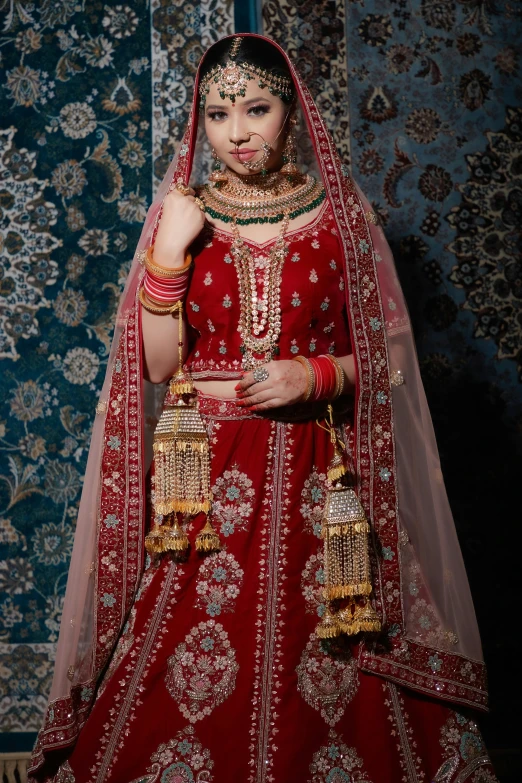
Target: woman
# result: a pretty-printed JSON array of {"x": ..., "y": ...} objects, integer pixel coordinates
[{"x": 272, "y": 634}]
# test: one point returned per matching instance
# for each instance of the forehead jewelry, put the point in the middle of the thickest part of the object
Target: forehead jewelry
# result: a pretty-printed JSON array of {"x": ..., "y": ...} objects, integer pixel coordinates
[{"x": 232, "y": 78}]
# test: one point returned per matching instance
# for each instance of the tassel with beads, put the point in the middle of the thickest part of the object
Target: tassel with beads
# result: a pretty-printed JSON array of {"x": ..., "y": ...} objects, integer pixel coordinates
[
  {"x": 181, "y": 469},
  {"x": 345, "y": 532}
]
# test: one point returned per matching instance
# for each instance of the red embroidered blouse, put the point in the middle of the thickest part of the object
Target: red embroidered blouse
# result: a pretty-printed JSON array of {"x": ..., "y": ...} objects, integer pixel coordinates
[{"x": 313, "y": 309}]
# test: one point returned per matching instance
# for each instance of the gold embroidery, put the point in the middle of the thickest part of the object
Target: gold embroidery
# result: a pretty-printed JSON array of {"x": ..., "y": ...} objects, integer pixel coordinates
[
  {"x": 70, "y": 672},
  {"x": 371, "y": 217},
  {"x": 327, "y": 678},
  {"x": 202, "y": 672},
  {"x": 336, "y": 761},
  {"x": 397, "y": 378},
  {"x": 101, "y": 407}
]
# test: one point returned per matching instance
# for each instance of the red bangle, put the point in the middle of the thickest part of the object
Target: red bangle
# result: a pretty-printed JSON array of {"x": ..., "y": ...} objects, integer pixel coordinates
[
  {"x": 325, "y": 374},
  {"x": 165, "y": 290}
]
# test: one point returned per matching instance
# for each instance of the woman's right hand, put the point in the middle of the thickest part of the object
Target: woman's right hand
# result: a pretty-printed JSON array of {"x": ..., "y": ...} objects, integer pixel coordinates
[{"x": 181, "y": 222}]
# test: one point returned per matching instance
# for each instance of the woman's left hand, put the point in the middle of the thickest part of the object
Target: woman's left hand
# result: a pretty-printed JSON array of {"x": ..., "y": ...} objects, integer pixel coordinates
[{"x": 286, "y": 384}]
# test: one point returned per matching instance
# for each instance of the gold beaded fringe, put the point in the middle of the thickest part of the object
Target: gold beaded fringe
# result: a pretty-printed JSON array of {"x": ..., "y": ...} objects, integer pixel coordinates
[
  {"x": 345, "y": 532},
  {"x": 181, "y": 468}
]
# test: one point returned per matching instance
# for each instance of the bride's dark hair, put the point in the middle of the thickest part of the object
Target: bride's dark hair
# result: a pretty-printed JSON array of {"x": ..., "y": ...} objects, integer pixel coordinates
[{"x": 252, "y": 50}]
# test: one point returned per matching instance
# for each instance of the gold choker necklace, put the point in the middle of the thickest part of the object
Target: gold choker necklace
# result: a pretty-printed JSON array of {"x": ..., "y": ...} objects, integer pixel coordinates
[{"x": 262, "y": 198}]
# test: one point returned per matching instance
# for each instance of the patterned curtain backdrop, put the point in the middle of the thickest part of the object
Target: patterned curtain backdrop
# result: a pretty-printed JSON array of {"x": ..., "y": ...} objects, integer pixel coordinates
[
  {"x": 431, "y": 124},
  {"x": 93, "y": 97}
]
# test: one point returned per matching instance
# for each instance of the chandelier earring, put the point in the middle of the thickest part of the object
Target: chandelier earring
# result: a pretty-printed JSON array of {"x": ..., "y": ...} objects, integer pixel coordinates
[
  {"x": 217, "y": 175},
  {"x": 290, "y": 167}
]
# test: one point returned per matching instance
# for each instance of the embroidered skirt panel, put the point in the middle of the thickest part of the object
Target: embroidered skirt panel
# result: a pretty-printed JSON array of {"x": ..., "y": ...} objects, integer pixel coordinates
[{"x": 218, "y": 675}]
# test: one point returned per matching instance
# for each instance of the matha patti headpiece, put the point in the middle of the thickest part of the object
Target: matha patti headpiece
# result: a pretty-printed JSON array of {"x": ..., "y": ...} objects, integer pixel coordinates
[{"x": 232, "y": 78}]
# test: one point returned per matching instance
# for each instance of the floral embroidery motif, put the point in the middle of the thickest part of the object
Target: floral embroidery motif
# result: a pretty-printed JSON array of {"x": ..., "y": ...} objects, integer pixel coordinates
[
  {"x": 313, "y": 497},
  {"x": 182, "y": 760},
  {"x": 208, "y": 279},
  {"x": 313, "y": 276},
  {"x": 462, "y": 743},
  {"x": 447, "y": 770},
  {"x": 337, "y": 763},
  {"x": 227, "y": 301},
  {"x": 312, "y": 584},
  {"x": 202, "y": 672},
  {"x": 424, "y": 619},
  {"x": 484, "y": 776},
  {"x": 295, "y": 300},
  {"x": 65, "y": 774},
  {"x": 462, "y": 736},
  {"x": 232, "y": 506},
  {"x": 327, "y": 677},
  {"x": 218, "y": 584}
]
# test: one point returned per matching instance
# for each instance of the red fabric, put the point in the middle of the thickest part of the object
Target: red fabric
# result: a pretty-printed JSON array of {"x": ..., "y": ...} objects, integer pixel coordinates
[
  {"x": 312, "y": 299},
  {"x": 220, "y": 660}
]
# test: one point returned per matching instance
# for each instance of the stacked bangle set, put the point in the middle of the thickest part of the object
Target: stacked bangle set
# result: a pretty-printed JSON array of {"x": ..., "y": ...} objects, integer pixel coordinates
[
  {"x": 163, "y": 288},
  {"x": 325, "y": 377}
]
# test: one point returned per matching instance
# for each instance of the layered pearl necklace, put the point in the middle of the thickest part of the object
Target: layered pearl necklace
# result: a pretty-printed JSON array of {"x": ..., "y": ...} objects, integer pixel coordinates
[
  {"x": 240, "y": 201},
  {"x": 259, "y": 311}
]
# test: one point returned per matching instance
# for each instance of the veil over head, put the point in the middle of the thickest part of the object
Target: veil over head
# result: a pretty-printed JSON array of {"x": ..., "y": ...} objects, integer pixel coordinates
[{"x": 430, "y": 641}]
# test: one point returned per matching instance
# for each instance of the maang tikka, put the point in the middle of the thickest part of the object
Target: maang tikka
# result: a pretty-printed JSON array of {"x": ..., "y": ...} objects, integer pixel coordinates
[{"x": 232, "y": 78}]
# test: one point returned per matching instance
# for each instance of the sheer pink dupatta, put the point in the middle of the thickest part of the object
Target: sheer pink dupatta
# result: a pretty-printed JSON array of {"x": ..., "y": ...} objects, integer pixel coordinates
[
  {"x": 432, "y": 642},
  {"x": 112, "y": 516},
  {"x": 421, "y": 590}
]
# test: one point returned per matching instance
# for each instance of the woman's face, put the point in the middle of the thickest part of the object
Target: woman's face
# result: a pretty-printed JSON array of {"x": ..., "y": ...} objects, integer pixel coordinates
[{"x": 237, "y": 130}]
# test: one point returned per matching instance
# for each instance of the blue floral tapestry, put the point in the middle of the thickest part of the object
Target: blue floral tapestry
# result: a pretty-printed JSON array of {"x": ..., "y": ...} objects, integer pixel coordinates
[
  {"x": 425, "y": 102},
  {"x": 94, "y": 97}
]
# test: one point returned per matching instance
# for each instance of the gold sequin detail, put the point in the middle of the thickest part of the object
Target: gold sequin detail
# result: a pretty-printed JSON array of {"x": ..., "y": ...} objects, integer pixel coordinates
[{"x": 397, "y": 378}]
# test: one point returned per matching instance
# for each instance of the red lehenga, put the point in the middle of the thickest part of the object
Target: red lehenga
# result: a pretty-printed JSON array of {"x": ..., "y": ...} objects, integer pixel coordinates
[{"x": 210, "y": 669}]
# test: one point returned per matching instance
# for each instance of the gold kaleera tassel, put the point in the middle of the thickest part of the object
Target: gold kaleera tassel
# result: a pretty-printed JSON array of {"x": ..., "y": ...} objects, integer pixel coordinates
[
  {"x": 346, "y": 553},
  {"x": 181, "y": 467}
]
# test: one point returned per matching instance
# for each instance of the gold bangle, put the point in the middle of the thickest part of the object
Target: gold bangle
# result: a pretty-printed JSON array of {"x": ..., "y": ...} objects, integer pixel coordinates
[
  {"x": 311, "y": 376},
  {"x": 340, "y": 377},
  {"x": 165, "y": 271},
  {"x": 172, "y": 309}
]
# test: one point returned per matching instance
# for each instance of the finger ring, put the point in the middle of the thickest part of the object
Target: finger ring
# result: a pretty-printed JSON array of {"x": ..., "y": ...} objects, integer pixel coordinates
[
  {"x": 182, "y": 188},
  {"x": 200, "y": 204},
  {"x": 260, "y": 374}
]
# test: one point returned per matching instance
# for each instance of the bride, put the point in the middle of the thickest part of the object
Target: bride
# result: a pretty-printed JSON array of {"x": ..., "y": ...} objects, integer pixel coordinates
[{"x": 270, "y": 589}]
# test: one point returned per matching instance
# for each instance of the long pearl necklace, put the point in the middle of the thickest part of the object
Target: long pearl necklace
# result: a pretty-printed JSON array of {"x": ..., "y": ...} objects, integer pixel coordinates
[{"x": 260, "y": 311}]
